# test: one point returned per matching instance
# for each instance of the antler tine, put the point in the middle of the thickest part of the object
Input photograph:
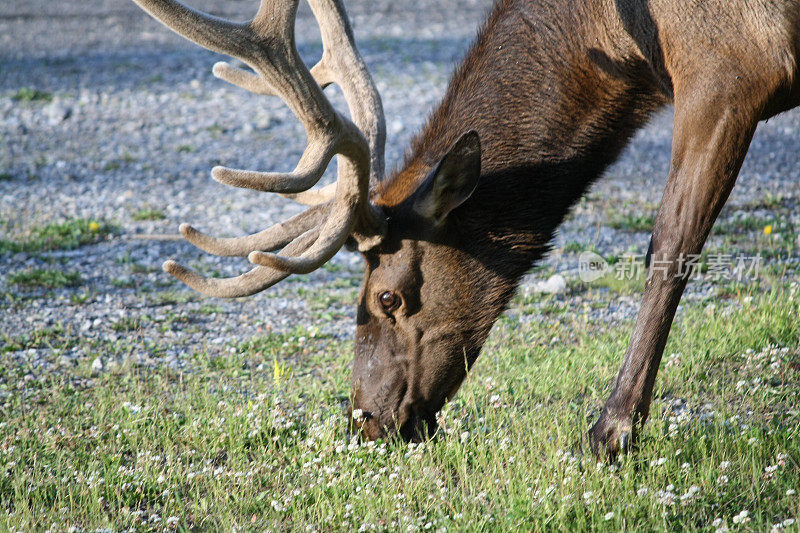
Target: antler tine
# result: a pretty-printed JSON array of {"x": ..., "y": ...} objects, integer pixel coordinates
[
  {"x": 267, "y": 45},
  {"x": 269, "y": 239},
  {"x": 247, "y": 284},
  {"x": 208, "y": 31},
  {"x": 251, "y": 82},
  {"x": 314, "y": 196},
  {"x": 342, "y": 64}
]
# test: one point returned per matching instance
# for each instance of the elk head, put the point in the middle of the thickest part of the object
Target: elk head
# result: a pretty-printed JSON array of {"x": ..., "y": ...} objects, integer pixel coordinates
[{"x": 421, "y": 312}]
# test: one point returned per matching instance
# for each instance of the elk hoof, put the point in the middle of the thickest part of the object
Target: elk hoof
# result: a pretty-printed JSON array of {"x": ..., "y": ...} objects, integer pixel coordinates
[{"x": 610, "y": 436}]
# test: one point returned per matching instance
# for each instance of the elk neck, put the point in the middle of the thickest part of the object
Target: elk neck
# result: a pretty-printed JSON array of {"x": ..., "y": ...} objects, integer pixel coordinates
[{"x": 553, "y": 106}]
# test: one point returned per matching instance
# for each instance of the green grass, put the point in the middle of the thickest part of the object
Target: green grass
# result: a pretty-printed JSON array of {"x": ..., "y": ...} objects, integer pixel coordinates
[
  {"x": 171, "y": 297},
  {"x": 27, "y": 94},
  {"x": 148, "y": 214},
  {"x": 56, "y": 337},
  {"x": 631, "y": 221},
  {"x": 59, "y": 236},
  {"x": 126, "y": 324},
  {"x": 253, "y": 438},
  {"x": 739, "y": 225},
  {"x": 45, "y": 278}
]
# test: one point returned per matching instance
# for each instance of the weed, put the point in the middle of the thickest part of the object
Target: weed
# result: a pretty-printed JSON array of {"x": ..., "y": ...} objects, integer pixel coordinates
[
  {"x": 60, "y": 236},
  {"x": 27, "y": 94},
  {"x": 45, "y": 278},
  {"x": 147, "y": 213}
]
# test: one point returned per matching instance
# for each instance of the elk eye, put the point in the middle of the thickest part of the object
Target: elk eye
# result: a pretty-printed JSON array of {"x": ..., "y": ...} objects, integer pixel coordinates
[{"x": 389, "y": 301}]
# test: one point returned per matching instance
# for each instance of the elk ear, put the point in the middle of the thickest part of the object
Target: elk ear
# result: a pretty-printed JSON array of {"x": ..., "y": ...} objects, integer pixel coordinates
[{"x": 452, "y": 181}]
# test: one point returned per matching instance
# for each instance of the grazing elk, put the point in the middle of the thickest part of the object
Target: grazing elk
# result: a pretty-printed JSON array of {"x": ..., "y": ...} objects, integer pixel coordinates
[{"x": 547, "y": 97}]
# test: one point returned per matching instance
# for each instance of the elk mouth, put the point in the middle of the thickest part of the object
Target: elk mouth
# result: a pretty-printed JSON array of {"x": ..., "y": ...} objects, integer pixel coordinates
[{"x": 418, "y": 427}]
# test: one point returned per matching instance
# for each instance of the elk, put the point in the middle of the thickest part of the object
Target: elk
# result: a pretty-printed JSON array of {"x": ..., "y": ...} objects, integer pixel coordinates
[{"x": 548, "y": 95}]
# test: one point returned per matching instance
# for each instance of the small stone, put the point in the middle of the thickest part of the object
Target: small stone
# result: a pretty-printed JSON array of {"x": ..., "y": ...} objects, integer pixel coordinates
[
  {"x": 555, "y": 284},
  {"x": 97, "y": 365},
  {"x": 57, "y": 113}
]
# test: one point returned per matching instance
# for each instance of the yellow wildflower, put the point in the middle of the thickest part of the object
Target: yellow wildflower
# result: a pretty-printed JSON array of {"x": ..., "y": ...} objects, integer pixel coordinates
[{"x": 279, "y": 371}]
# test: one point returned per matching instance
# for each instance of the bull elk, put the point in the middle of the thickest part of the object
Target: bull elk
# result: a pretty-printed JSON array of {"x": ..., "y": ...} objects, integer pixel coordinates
[{"x": 547, "y": 97}]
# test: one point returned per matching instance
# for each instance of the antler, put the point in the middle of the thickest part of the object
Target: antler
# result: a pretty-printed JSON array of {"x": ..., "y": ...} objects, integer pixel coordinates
[{"x": 267, "y": 45}]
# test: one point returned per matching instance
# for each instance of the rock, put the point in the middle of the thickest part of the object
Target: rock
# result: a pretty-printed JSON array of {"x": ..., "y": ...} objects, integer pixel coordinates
[
  {"x": 57, "y": 112},
  {"x": 97, "y": 365},
  {"x": 555, "y": 284}
]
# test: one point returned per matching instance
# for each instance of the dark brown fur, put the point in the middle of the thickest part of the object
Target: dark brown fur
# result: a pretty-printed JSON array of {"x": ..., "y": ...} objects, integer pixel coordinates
[{"x": 555, "y": 89}]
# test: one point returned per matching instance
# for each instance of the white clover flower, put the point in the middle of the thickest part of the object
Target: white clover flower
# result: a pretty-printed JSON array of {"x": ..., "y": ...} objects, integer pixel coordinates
[
  {"x": 690, "y": 494},
  {"x": 642, "y": 492},
  {"x": 666, "y": 497},
  {"x": 722, "y": 480},
  {"x": 742, "y": 518},
  {"x": 609, "y": 515},
  {"x": 358, "y": 414},
  {"x": 717, "y": 522},
  {"x": 724, "y": 465}
]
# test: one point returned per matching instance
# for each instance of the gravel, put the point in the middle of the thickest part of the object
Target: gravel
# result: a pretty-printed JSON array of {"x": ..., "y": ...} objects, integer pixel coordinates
[{"x": 130, "y": 119}]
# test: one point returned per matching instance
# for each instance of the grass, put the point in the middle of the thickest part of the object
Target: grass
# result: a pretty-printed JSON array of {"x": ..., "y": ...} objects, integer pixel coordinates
[
  {"x": 148, "y": 214},
  {"x": 117, "y": 164},
  {"x": 254, "y": 438},
  {"x": 27, "y": 94},
  {"x": 45, "y": 278},
  {"x": 171, "y": 297},
  {"x": 56, "y": 337},
  {"x": 631, "y": 221},
  {"x": 59, "y": 236},
  {"x": 126, "y": 324}
]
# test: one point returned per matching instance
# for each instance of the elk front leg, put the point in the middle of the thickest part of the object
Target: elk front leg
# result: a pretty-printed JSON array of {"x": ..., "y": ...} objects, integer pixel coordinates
[{"x": 710, "y": 140}]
